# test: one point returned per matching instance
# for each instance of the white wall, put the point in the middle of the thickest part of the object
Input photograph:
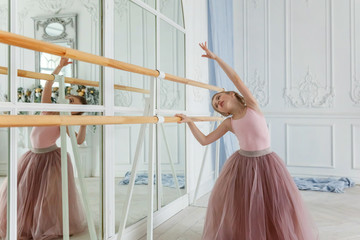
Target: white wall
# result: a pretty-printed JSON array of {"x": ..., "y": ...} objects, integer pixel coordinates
[
  {"x": 299, "y": 57},
  {"x": 196, "y": 24}
]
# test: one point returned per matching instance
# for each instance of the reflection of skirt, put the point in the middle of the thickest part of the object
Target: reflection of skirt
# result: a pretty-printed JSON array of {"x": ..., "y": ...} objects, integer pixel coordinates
[
  {"x": 255, "y": 198},
  {"x": 39, "y": 204}
]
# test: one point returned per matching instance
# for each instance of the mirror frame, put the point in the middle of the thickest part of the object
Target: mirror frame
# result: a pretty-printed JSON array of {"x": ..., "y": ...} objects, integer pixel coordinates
[{"x": 68, "y": 36}]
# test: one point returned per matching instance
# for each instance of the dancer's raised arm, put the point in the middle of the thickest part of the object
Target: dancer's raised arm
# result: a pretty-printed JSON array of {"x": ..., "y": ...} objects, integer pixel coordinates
[
  {"x": 46, "y": 95},
  {"x": 234, "y": 77}
]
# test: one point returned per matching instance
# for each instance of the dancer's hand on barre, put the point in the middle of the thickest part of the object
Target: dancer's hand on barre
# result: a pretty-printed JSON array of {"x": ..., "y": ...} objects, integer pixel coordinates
[
  {"x": 209, "y": 54},
  {"x": 184, "y": 118}
]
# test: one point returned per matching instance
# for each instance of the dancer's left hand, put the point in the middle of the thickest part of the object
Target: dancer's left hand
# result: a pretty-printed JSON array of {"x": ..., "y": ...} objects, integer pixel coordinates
[
  {"x": 184, "y": 118},
  {"x": 209, "y": 54}
]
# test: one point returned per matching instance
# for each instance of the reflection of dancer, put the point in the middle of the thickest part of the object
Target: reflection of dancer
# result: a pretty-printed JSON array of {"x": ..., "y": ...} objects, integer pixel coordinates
[
  {"x": 254, "y": 197},
  {"x": 39, "y": 200}
]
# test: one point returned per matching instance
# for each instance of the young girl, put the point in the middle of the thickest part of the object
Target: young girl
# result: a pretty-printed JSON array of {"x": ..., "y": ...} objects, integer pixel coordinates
[
  {"x": 254, "y": 197},
  {"x": 39, "y": 203}
]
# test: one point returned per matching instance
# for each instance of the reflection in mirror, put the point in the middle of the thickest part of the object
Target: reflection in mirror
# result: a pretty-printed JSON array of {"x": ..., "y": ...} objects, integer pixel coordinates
[
  {"x": 72, "y": 24},
  {"x": 126, "y": 139},
  {"x": 173, "y": 9},
  {"x": 4, "y": 83},
  {"x": 54, "y": 29},
  {"x": 172, "y": 61},
  {"x": 4, "y": 159},
  {"x": 60, "y": 30},
  {"x": 39, "y": 162},
  {"x": 171, "y": 152},
  {"x": 135, "y": 29},
  {"x": 151, "y": 3}
]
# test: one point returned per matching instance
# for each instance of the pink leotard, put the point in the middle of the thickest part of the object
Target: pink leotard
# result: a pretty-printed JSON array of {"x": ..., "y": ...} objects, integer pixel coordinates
[
  {"x": 43, "y": 137},
  {"x": 251, "y": 131}
]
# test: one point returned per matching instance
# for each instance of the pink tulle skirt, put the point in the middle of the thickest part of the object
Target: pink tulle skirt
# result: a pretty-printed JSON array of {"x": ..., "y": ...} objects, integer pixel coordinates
[
  {"x": 39, "y": 204},
  {"x": 255, "y": 198}
]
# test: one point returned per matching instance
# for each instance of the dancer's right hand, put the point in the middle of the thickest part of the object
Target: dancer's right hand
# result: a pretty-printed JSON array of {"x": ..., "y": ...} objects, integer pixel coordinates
[
  {"x": 64, "y": 62},
  {"x": 184, "y": 118}
]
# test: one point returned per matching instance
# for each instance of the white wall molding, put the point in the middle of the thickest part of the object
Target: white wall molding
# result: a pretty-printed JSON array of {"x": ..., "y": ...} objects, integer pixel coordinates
[
  {"x": 314, "y": 115},
  {"x": 288, "y": 159},
  {"x": 4, "y": 13},
  {"x": 54, "y": 6},
  {"x": 355, "y": 163},
  {"x": 198, "y": 93},
  {"x": 121, "y": 7},
  {"x": 355, "y": 80},
  {"x": 308, "y": 91},
  {"x": 256, "y": 76}
]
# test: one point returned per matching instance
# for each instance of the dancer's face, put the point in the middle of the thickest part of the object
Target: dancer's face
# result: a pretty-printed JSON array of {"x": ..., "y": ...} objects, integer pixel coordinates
[
  {"x": 222, "y": 102},
  {"x": 74, "y": 100}
]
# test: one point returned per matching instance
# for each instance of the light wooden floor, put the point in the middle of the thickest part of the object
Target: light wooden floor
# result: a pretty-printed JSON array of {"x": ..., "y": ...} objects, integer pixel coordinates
[{"x": 337, "y": 217}]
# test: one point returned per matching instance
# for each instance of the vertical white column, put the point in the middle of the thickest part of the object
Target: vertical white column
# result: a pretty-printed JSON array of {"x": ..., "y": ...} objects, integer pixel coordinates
[
  {"x": 12, "y": 166},
  {"x": 64, "y": 183},
  {"x": 152, "y": 160},
  {"x": 159, "y": 194},
  {"x": 64, "y": 163},
  {"x": 108, "y": 130}
]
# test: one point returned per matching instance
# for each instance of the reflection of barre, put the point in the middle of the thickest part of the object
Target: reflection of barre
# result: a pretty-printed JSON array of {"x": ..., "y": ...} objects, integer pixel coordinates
[
  {"x": 56, "y": 120},
  {"x": 41, "y": 46},
  {"x": 49, "y": 77},
  {"x": 3, "y": 70}
]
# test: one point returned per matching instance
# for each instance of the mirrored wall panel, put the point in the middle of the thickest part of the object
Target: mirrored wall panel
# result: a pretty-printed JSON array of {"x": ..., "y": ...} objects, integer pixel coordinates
[
  {"x": 4, "y": 159},
  {"x": 126, "y": 141},
  {"x": 4, "y": 53},
  {"x": 135, "y": 36},
  {"x": 70, "y": 23},
  {"x": 151, "y": 3},
  {"x": 173, "y": 10},
  {"x": 39, "y": 180},
  {"x": 171, "y": 157},
  {"x": 172, "y": 61}
]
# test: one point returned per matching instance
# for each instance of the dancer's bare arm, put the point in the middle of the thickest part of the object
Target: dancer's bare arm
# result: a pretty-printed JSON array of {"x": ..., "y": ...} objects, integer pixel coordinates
[{"x": 203, "y": 139}]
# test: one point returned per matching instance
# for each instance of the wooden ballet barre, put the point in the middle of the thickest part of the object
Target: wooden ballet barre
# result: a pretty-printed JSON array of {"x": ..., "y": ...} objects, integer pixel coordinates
[
  {"x": 41, "y": 46},
  {"x": 57, "y": 120},
  {"x": 3, "y": 70},
  {"x": 49, "y": 77}
]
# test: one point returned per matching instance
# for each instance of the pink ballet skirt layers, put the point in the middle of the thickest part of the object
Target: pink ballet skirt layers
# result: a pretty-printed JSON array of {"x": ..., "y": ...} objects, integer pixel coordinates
[
  {"x": 40, "y": 199},
  {"x": 255, "y": 198}
]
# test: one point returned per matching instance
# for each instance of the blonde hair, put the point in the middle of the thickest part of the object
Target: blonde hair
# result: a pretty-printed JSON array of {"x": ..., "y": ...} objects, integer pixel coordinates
[{"x": 240, "y": 99}]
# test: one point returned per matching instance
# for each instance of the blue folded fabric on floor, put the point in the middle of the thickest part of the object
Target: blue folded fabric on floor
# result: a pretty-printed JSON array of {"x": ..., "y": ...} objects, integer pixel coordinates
[
  {"x": 167, "y": 180},
  {"x": 335, "y": 185}
]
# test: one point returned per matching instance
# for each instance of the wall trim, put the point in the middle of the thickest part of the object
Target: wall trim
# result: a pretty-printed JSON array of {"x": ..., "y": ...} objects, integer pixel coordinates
[
  {"x": 287, "y": 158},
  {"x": 257, "y": 86},
  {"x": 307, "y": 115},
  {"x": 355, "y": 82},
  {"x": 292, "y": 94},
  {"x": 354, "y": 166}
]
